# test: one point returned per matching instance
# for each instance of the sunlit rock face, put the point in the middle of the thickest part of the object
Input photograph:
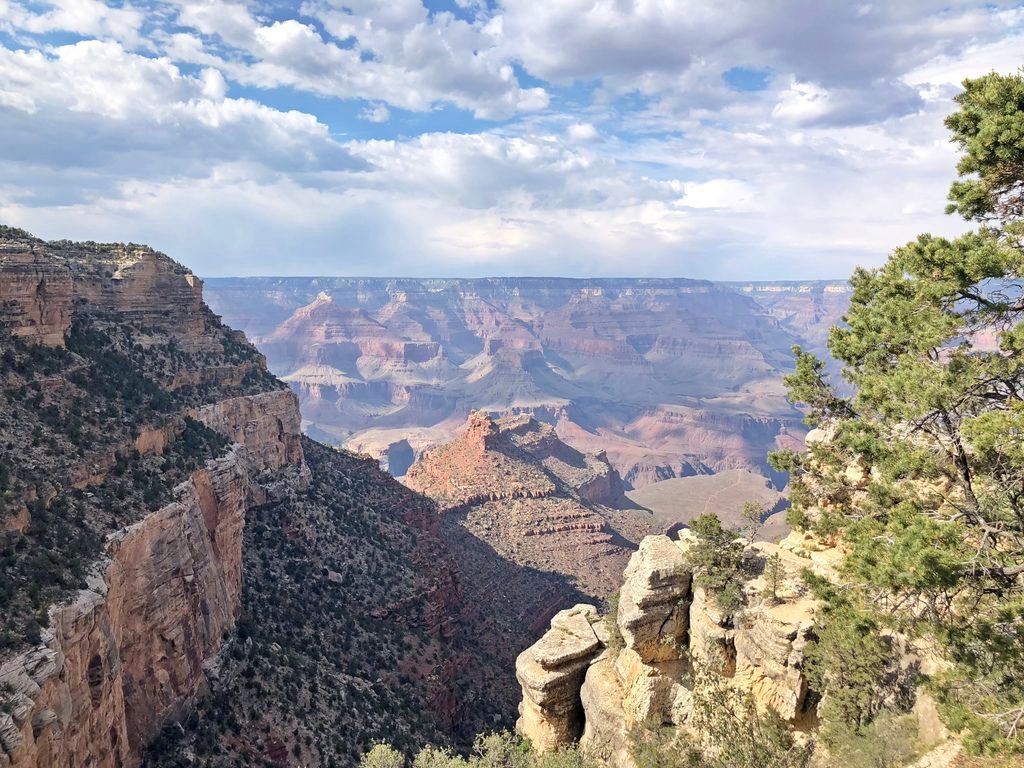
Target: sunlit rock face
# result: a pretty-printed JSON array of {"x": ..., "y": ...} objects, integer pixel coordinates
[
  {"x": 671, "y": 377},
  {"x": 665, "y": 625},
  {"x": 514, "y": 484},
  {"x": 123, "y": 656}
]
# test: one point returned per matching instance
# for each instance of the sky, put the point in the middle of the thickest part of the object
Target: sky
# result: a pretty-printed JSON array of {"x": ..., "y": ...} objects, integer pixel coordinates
[{"x": 790, "y": 139}]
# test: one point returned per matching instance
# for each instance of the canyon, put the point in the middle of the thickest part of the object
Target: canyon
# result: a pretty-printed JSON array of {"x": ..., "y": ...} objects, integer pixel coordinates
[
  {"x": 186, "y": 573},
  {"x": 670, "y": 377},
  {"x": 188, "y": 579},
  {"x": 176, "y": 555}
]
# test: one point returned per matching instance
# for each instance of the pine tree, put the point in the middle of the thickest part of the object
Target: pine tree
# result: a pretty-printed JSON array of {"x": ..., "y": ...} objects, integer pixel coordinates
[
  {"x": 933, "y": 511},
  {"x": 773, "y": 575}
]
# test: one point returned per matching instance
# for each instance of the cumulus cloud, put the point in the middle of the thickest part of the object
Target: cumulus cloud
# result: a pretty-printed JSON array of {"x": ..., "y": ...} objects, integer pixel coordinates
[
  {"x": 387, "y": 138},
  {"x": 91, "y": 18},
  {"x": 96, "y": 109},
  {"x": 676, "y": 52},
  {"x": 581, "y": 132},
  {"x": 395, "y": 52}
]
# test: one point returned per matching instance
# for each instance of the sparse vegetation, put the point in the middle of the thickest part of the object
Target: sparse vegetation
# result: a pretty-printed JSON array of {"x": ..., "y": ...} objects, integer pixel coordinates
[
  {"x": 726, "y": 730},
  {"x": 774, "y": 573},
  {"x": 335, "y": 648},
  {"x": 494, "y": 750},
  {"x": 69, "y": 470},
  {"x": 856, "y": 666},
  {"x": 889, "y": 741},
  {"x": 609, "y": 617},
  {"x": 750, "y": 517}
]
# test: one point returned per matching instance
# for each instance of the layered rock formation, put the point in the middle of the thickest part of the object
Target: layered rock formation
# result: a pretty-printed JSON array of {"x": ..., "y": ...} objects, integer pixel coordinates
[
  {"x": 129, "y": 283},
  {"x": 165, "y": 547},
  {"x": 117, "y": 659},
  {"x": 641, "y": 670},
  {"x": 127, "y": 654},
  {"x": 671, "y": 377},
  {"x": 515, "y": 485},
  {"x": 534, "y": 527},
  {"x": 551, "y": 673}
]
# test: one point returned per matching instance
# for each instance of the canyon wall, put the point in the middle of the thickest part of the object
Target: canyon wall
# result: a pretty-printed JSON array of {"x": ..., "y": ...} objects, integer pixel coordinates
[
  {"x": 670, "y": 377},
  {"x": 127, "y": 654},
  {"x": 128, "y": 283},
  {"x": 119, "y": 659}
]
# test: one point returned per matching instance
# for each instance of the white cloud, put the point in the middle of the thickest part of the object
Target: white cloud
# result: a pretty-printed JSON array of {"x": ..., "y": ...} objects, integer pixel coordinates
[
  {"x": 375, "y": 113},
  {"x": 581, "y": 132},
  {"x": 716, "y": 193},
  {"x": 839, "y": 157},
  {"x": 95, "y": 108},
  {"x": 803, "y": 102},
  {"x": 399, "y": 54},
  {"x": 91, "y": 18},
  {"x": 676, "y": 52}
]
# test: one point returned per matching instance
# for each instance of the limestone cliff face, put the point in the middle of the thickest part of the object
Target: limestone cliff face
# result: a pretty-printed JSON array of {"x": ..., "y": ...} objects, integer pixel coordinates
[
  {"x": 665, "y": 625},
  {"x": 268, "y": 425},
  {"x": 127, "y": 654},
  {"x": 123, "y": 656},
  {"x": 35, "y": 295},
  {"x": 42, "y": 282}
]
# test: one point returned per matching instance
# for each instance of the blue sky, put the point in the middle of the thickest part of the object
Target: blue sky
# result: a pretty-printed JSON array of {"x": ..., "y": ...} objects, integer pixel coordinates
[{"x": 733, "y": 140}]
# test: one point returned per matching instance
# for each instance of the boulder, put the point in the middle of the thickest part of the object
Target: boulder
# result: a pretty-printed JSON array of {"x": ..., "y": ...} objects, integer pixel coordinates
[
  {"x": 551, "y": 673},
  {"x": 654, "y": 600}
]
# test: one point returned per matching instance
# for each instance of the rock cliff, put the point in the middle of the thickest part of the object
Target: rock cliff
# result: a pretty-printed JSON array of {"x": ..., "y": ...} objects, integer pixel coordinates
[
  {"x": 170, "y": 544},
  {"x": 637, "y": 666},
  {"x": 516, "y": 485},
  {"x": 159, "y": 475},
  {"x": 127, "y": 654},
  {"x": 128, "y": 283}
]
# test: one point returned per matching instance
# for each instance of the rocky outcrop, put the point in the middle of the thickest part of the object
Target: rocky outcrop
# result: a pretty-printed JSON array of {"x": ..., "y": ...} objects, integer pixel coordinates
[
  {"x": 35, "y": 295},
  {"x": 128, "y": 653},
  {"x": 551, "y": 674},
  {"x": 514, "y": 484},
  {"x": 652, "y": 615},
  {"x": 480, "y": 465},
  {"x": 133, "y": 283},
  {"x": 666, "y": 625},
  {"x": 509, "y": 458},
  {"x": 268, "y": 425}
]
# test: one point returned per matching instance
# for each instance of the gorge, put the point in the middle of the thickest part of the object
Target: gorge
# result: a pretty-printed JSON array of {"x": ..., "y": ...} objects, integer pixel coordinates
[
  {"x": 670, "y": 377},
  {"x": 190, "y": 580}
]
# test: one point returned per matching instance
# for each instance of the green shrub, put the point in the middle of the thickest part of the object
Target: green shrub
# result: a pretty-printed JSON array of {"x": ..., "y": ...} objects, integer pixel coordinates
[
  {"x": 717, "y": 559},
  {"x": 727, "y": 730}
]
